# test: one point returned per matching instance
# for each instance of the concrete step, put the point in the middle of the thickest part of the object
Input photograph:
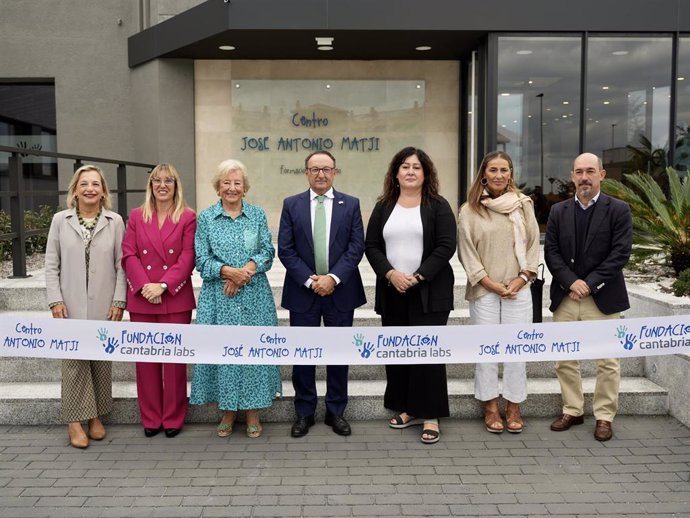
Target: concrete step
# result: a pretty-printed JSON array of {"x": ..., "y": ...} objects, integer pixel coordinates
[
  {"x": 34, "y": 370},
  {"x": 29, "y": 294},
  {"x": 39, "y": 403}
]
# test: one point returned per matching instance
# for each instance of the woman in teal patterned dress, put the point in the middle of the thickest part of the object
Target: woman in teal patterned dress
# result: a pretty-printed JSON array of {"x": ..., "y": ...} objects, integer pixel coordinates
[{"x": 233, "y": 253}]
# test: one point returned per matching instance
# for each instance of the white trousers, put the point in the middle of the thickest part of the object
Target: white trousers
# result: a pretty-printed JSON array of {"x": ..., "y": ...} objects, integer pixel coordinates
[{"x": 492, "y": 309}]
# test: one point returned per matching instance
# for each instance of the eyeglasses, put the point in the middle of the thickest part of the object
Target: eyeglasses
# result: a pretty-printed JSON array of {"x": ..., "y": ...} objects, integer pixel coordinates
[
  {"x": 316, "y": 170},
  {"x": 166, "y": 181}
]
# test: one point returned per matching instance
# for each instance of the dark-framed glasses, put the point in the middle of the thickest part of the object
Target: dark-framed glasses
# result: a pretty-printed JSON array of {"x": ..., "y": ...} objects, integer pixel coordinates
[{"x": 316, "y": 170}]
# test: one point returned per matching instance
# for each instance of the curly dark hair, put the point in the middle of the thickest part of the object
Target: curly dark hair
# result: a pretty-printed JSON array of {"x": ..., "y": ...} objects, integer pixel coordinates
[{"x": 391, "y": 187}]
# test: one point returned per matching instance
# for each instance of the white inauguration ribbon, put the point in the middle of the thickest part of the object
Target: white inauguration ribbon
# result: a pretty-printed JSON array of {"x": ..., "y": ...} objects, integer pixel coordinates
[{"x": 176, "y": 343}]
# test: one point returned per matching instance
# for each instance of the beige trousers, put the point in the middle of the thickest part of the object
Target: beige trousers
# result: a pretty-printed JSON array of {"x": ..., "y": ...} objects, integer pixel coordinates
[{"x": 605, "y": 401}]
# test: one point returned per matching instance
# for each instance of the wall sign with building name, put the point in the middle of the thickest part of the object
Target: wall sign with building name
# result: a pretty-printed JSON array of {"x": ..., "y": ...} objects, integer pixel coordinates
[{"x": 263, "y": 143}]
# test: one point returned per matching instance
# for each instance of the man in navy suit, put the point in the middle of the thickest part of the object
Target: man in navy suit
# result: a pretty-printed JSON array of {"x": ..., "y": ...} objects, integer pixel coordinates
[
  {"x": 321, "y": 282},
  {"x": 588, "y": 242}
]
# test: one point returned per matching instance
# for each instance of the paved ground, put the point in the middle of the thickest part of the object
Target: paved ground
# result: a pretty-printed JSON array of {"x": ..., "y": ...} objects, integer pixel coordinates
[{"x": 643, "y": 471}]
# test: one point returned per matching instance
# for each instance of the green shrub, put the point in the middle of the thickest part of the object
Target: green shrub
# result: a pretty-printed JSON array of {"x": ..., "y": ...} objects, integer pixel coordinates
[
  {"x": 661, "y": 222},
  {"x": 681, "y": 286},
  {"x": 32, "y": 221}
]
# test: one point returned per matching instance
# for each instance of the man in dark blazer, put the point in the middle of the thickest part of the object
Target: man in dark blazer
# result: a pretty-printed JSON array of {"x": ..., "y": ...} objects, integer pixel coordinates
[
  {"x": 322, "y": 284},
  {"x": 588, "y": 242}
]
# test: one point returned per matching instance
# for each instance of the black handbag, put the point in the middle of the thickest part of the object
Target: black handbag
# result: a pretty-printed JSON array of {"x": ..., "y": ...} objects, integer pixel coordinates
[{"x": 537, "y": 289}]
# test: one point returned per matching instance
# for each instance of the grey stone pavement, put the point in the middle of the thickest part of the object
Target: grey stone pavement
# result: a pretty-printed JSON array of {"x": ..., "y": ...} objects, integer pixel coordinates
[{"x": 643, "y": 471}]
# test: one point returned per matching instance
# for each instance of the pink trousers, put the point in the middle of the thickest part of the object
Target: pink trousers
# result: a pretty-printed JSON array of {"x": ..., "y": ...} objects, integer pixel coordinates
[{"x": 162, "y": 387}]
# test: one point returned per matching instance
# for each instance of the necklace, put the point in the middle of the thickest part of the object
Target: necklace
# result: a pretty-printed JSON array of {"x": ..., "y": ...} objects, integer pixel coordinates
[{"x": 88, "y": 225}]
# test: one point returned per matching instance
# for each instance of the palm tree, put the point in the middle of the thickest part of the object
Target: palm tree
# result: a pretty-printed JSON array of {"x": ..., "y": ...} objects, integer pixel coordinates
[{"x": 661, "y": 224}]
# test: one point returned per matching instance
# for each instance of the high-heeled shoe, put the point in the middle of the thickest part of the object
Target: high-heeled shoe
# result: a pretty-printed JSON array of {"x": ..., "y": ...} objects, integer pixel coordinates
[
  {"x": 492, "y": 416},
  {"x": 77, "y": 437},
  {"x": 96, "y": 429},
  {"x": 514, "y": 422}
]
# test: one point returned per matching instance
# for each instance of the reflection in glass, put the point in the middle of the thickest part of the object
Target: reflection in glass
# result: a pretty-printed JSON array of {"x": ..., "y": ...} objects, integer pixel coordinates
[
  {"x": 628, "y": 102},
  {"x": 28, "y": 121},
  {"x": 682, "y": 152},
  {"x": 538, "y": 112}
]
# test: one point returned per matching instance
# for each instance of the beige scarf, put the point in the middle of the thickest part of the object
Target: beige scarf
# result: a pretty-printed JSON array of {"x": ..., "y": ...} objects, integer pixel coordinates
[{"x": 509, "y": 203}]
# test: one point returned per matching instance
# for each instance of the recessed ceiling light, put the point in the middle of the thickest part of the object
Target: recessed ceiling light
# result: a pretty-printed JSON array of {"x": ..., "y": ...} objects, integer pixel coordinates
[
  {"x": 324, "y": 47},
  {"x": 503, "y": 125},
  {"x": 681, "y": 79},
  {"x": 226, "y": 47},
  {"x": 324, "y": 41},
  {"x": 607, "y": 102},
  {"x": 564, "y": 116},
  {"x": 423, "y": 48},
  {"x": 328, "y": 85},
  {"x": 523, "y": 52},
  {"x": 418, "y": 86},
  {"x": 530, "y": 82},
  {"x": 529, "y": 116},
  {"x": 514, "y": 122},
  {"x": 604, "y": 87},
  {"x": 505, "y": 94},
  {"x": 566, "y": 102},
  {"x": 237, "y": 85},
  {"x": 620, "y": 52}
]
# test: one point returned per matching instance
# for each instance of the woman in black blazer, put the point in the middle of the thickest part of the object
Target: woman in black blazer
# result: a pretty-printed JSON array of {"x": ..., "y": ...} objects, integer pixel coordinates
[{"x": 410, "y": 239}]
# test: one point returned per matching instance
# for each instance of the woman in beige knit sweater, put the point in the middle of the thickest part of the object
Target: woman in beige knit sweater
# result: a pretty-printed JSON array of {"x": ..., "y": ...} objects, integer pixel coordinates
[{"x": 498, "y": 244}]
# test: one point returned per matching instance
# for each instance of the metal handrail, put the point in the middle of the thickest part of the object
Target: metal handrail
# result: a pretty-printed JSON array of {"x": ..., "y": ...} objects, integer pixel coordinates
[{"x": 17, "y": 195}]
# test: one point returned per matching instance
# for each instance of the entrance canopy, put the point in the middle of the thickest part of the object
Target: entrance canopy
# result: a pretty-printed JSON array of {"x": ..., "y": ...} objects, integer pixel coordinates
[{"x": 382, "y": 29}]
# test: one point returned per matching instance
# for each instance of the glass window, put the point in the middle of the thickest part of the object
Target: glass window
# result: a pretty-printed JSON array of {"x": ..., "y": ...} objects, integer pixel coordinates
[
  {"x": 538, "y": 112},
  {"x": 27, "y": 120},
  {"x": 628, "y": 102},
  {"x": 682, "y": 154}
]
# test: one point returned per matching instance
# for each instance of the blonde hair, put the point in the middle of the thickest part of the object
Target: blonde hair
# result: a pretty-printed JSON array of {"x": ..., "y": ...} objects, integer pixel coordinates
[
  {"x": 476, "y": 192},
  {"x": 106, "y": 201},
  {"x": 179, "y": 203},
  {"x": 227, "y": 166}
]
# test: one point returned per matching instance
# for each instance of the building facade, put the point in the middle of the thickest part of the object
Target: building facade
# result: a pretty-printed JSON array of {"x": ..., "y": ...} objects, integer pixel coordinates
[{"x": 268, "y": 81}]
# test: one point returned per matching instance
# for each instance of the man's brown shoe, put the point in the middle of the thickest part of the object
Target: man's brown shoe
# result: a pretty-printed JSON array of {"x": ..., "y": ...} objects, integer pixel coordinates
[
  {"x": 603, "y": 430},
  {"x": 564, "y": 422}
]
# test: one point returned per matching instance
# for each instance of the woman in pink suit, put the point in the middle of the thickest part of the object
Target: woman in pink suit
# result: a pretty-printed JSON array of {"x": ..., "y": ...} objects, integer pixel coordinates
[{"x": 158, "y": 258}]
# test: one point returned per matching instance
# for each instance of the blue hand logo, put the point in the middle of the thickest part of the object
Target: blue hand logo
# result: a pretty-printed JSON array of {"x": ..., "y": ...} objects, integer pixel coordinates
[
  {"x": 113, "y": 344},
  {"x": 102, "y": 334},
  {"x": 365, "y": 348},
  {"x": 620, "y": 332},
  {"x": 630, "y": 341}
]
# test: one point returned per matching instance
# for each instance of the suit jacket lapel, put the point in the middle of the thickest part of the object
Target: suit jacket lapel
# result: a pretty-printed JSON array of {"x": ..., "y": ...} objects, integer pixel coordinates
[
  {"x": 304, "y": 215},
  {"x": 73, "y": 222},
  {"x": 154, "y": 234},
  {"x": 337, "y": 211},
  {"x": 569, "y": 215}
]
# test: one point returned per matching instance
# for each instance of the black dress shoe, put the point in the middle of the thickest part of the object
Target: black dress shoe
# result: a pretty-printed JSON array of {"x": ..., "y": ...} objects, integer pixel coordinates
[
  {"x": 150, "y": 432},
  {"x": 171, "y": 432},
  {"x": 301, "y": 426},
  {"x": 339, "y": 424}
]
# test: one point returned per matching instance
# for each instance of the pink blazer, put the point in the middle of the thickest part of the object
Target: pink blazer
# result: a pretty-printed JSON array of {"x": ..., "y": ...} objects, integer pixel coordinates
[{"x": 150, "y": 254}]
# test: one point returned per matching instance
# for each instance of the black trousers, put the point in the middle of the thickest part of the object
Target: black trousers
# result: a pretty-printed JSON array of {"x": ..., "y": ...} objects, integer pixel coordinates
[{"x": 419, "y": 390}]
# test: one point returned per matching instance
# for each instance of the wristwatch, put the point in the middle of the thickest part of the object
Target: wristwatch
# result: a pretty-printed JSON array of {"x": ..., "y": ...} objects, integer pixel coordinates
[{"x": 164, "y": 286}]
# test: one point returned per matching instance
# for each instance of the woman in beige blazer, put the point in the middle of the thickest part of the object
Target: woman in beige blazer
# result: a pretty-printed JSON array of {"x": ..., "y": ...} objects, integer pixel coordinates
[{"x": 85, "y": 280}]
